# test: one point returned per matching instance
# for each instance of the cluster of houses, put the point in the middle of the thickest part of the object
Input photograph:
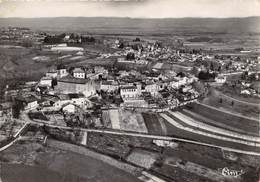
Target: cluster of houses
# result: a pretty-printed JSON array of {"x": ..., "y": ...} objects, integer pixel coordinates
[
  {"x": 252, "y": 87},
  {"x": 66, "y": 88},
  {"x": 20, "y": 34},
  {"x": 147, "y": 89},
  {"x": 140, "y": 52},
  {"x": 72, "y": 89}
]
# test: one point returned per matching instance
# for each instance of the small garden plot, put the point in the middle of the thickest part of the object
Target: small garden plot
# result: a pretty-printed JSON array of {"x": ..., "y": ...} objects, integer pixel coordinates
[
  {"x": 124, "y": 120},
  {"x": 142, "y": 158},
  {"x": 106, "y": 119},
  {"x": 119, "y": 146},
  {"x": 132, "y": 121},
  {"x": 114, "y": 118},
  {"x": 57, "y": 119},
  {"x": 153, "y": 124}
]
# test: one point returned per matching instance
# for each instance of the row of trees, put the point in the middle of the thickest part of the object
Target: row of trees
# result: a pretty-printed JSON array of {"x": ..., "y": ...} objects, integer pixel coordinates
[
  {"x": 191, "y": 51},
  {"x": 206, "y": 76},
  {"x": 56, "y": 39}
]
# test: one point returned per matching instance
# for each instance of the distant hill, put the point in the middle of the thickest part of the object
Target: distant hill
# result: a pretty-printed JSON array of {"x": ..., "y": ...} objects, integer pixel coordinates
[{"x": 139, "y": 26}]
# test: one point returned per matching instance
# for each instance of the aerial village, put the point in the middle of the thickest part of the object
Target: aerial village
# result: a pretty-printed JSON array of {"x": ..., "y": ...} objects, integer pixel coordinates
[{"x": 145, "y": 89}]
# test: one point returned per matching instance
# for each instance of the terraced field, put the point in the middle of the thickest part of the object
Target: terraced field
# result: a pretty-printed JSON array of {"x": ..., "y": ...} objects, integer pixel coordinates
[
  {"x": 155, "y": 125},
  {"x": 196, "y": 134},
  {"x": 247, "y": 125}
]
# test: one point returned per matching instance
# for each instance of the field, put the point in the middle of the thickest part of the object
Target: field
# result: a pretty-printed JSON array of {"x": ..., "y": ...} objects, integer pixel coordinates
[
  {"x": 95, "y": 62},
  {"x": 154, "y": 124},
  {"x": 118, "y": 146},
  {"x": 25, "y": 63},
  {"x": 176, "y": 132},
  {"x": 142, "y": 158},
  {"x": 183, "y": 162},
  {"x": 247, "y": 125},
  {"x": 18, "y": 63},
  {"x": 46, "y": 164},
  {"x": 186, "y": 162},
  {"x": 114, "y": 118},
  {"x": 235, "y": 93},
  {"x": 159, "y": 126},
  {"x": 206, "y": 120},
  {"x": 124, "y": 120},
  {"x": 200, "y": 163},
  {"x": 9, "y": 128}
]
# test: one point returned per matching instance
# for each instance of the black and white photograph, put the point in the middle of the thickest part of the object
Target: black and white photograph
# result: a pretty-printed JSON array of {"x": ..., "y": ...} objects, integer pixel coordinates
[{"x": 129, "y": 91}]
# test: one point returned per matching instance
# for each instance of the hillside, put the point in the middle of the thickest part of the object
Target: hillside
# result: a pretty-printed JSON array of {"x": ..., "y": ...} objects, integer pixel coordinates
[{"x": 130, "y": 25}]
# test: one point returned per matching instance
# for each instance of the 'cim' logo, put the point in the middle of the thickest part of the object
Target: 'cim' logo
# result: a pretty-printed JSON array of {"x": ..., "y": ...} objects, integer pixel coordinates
[{"x": 234, "y": 173}]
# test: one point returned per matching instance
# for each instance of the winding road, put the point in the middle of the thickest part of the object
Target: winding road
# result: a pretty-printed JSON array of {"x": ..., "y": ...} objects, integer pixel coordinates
[{"x": 16, "y": 137}]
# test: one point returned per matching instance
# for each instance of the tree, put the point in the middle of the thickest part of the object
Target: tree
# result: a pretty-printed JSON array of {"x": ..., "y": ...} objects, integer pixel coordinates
[
  {"x": 181, "y": 74},
  {"x": 86, "y": 39},
  {"x": 53, "y": 39},
  {"x": 220, "y": 100},
  {"x": 72, "y": 36},
  {"x": 206, "y": 75},
  {"x": 211, "y": 66},
  {"x": 121, "y": 46},
  {"x": 53, "y": 83},
  {"x": 199, "y": 87},
  {"x": 130, "y": 56},
  {"x": 135, "y": 47},
  {"x": 244, "y": 76},
  {"x": 137, "y": 39},
  {"x": 219, "y": 69},
  {"x": 62, "y": 36},
  {"x": 232, "y": 103},
  {"x": 16, "y": 108}
]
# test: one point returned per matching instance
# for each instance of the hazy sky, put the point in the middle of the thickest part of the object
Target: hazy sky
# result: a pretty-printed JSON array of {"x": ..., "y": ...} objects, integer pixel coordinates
[{"x": 131, "y": 8}]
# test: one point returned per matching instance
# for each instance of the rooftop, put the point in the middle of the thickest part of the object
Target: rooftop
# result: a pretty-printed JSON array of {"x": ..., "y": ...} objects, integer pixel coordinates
[
  {"x": 75, "y": 95},
  {"x": 129, "y": 87},
  {"x": 27, "y": 99},
  {"x": 78, "y": 70},
  {"x": 71, "y": 79}
]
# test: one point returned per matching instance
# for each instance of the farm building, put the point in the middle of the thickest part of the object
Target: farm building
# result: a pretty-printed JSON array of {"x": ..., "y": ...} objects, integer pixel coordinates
[
  {"x": 45, "y": 81},
  {"x": 220, "y": 79},
  {"x": 79, "y": 73},
  {"x": 52, "y": 74},
  {"x": 69, "y": 84},
  {"x": 129, "y": 92},
  {"x": 28, "y": 102},
  {"x": 109, "y": 85}
]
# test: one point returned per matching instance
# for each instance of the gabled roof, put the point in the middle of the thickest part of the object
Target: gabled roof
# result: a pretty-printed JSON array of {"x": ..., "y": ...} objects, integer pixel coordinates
[
  {"x": 27, "y": 99},
  {"x": 78, "y": 70},
  {"x": 129, "y": 87},
  {"x": 75, "y": 95},
  {"x": 71, "y": 79}
]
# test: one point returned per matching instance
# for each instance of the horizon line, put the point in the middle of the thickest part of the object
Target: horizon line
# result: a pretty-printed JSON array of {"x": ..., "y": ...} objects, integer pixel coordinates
[{"x": 188, "y": 17}]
